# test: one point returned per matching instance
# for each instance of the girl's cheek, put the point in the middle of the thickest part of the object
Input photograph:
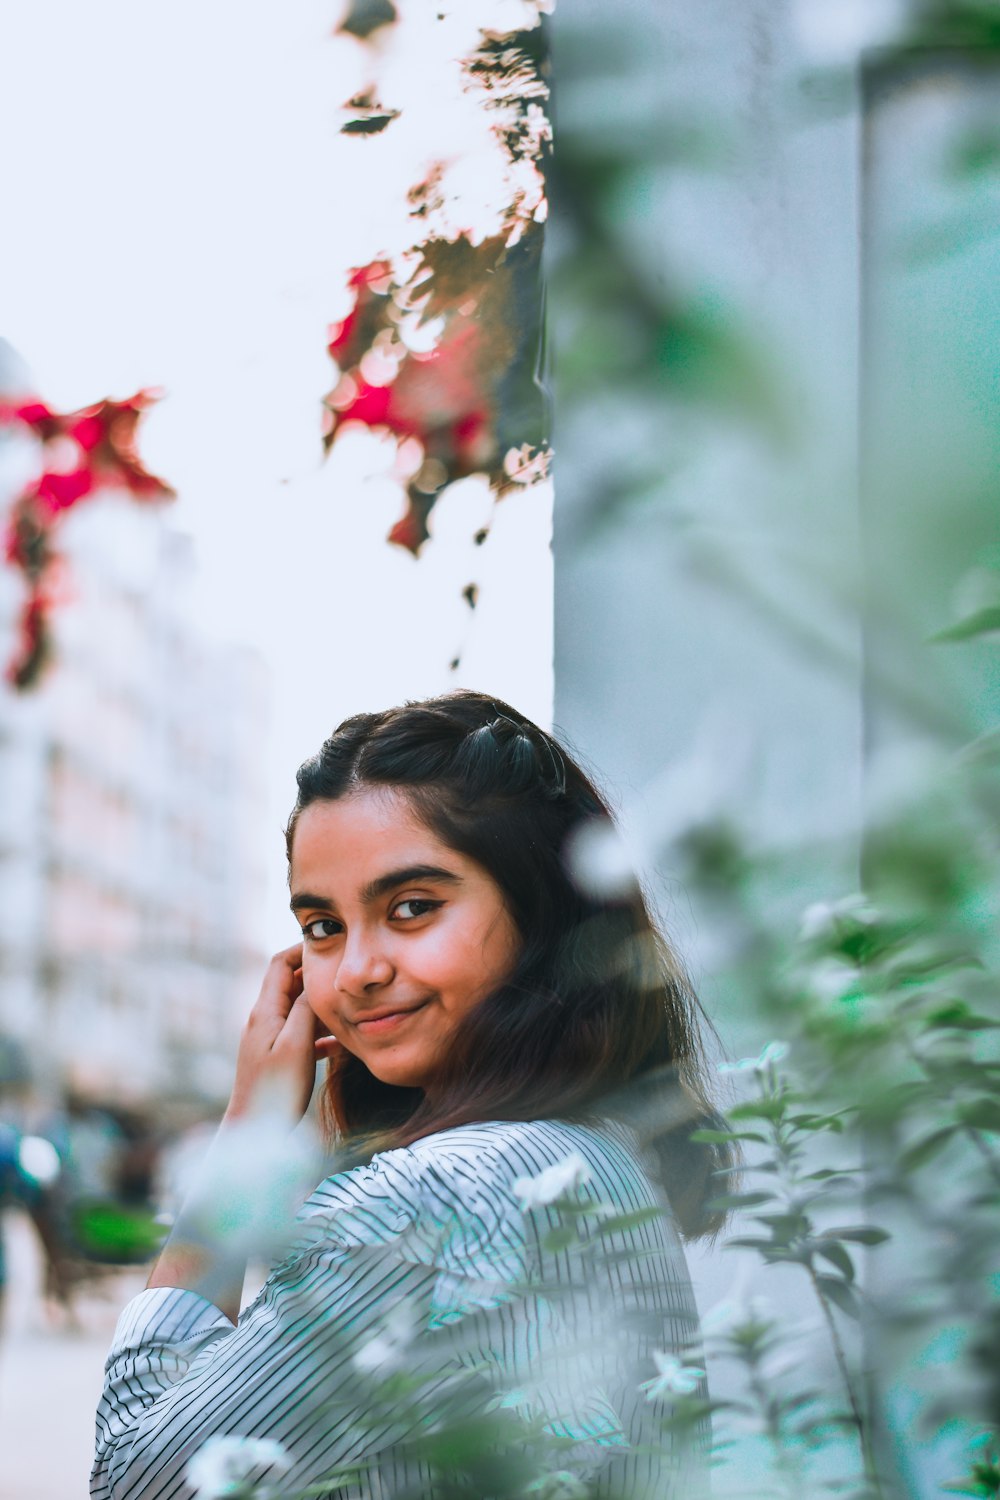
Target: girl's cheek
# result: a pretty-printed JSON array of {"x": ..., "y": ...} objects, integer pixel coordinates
[{"x": 313, "y": 980}]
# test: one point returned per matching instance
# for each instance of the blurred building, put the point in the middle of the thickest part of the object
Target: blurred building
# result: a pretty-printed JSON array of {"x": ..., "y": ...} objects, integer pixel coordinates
[{"x": 131, "y": 881}]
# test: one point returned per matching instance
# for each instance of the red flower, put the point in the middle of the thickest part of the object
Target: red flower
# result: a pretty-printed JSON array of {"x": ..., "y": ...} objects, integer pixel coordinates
[
  {"x": 88, "y": 432},
  {"x": 37, "y": 415},
  {"x": 372, "y": 405},
  {"x": 58, "y": 491},
  {"x": 107, "y": 457}
]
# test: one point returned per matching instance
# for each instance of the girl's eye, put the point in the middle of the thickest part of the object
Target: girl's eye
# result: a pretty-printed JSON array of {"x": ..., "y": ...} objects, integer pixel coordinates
[
  {"x": 414, "y": 907},
  {"x": 324, "y": 927}
]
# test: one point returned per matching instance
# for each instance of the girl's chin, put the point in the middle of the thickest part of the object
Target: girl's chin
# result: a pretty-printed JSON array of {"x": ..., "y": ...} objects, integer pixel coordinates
[
  {"x": 399, "y": 1077},
  {"x": 396, "y": 1073}
]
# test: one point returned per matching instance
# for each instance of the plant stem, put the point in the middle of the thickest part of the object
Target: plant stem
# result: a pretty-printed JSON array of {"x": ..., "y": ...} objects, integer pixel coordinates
[
  {"x": 864, "y": 1438},
  {"x": 788, "y": 1468}
]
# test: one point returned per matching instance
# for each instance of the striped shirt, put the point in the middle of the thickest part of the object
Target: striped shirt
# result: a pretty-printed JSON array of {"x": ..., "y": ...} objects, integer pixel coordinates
[{"x": 424, "y": 1282}]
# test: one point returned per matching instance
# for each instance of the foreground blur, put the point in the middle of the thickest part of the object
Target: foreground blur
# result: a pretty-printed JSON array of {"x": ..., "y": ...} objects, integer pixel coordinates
[{"x": 50, "y": 1374}]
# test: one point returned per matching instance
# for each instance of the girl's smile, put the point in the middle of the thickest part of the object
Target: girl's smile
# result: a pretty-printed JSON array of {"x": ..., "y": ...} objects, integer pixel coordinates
[{"x": 401, "y": 935}]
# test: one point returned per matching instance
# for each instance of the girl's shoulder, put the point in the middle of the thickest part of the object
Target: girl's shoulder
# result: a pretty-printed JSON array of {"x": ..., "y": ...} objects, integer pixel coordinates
[
  {"x": 511, "y": 1164},
  {"x": 524, "y": 1163},
  {"x": 513, "y": 1149}
]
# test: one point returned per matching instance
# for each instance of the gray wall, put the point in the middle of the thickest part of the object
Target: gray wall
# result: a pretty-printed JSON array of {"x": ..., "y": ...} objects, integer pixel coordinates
[{"x": 719, "y": 618}]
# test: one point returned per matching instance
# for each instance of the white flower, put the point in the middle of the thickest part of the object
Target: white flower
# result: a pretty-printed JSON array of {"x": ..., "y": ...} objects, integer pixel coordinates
[
  {"x": 562, "y": 1485},
  {"x": 820, "y": 922},
  {"x": 526, "y": 466},
  {"x": 554, "y": 1183},
  {"x": 730, "y": 1315},
  {"x": 673, "y": 1379},
  {"x": 831, "y": 980},
  {"x": 223, "y": 1466},
  {"x": 817, "y": 921},
  {"x": 386, "y": 1352},
  {"x": 772, "y": 1053}
]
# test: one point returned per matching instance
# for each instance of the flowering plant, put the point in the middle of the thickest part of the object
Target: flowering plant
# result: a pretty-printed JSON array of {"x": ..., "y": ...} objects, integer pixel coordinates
[{"x": 81, "y": 454}]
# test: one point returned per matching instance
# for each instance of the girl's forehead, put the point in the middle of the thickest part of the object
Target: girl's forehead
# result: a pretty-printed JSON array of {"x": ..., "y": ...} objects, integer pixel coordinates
[
  {"x": 366, "y": 828},
  {"x": 370, "y": 813}
]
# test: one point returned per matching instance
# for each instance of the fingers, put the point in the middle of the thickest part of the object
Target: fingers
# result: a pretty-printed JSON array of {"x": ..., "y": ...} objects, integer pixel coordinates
[
  {"x": 276, "y": 1056},
  {"x": 300, "y": 1026},
  {"x": 281, "y": 987}
]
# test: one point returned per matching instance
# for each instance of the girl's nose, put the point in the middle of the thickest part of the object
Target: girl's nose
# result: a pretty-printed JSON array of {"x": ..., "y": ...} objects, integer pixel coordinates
[{"x": 364, "y": 966}]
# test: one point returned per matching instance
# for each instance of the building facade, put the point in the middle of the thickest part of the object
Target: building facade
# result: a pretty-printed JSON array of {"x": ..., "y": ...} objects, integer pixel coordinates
[{"x": 131, "y": 783}]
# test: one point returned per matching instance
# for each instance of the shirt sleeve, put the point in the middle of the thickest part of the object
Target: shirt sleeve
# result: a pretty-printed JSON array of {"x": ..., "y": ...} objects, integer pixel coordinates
[{"x": 388, "y": 1258}]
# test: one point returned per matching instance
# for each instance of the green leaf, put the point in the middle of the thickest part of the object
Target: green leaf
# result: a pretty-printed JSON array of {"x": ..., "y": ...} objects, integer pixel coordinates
[
  {"x": 958, "y": 1016},
  {"x": 760, "y": 1109},
  {"x": 716, "y": 1137},
  {"x": 859, "y": 1234},
  {"x": 621, "y": 1222},
  {"x": 817, "y": 1122},
  {"x": 916, "y": 1156},
  {"x": 837, "y": 1292},
  {"x": 834, "y": 1252},
  {"x": 785, "y": 1224},
  {"x": 689, "y": 1412},
  {"x": 748, "y": 1242},
  {"x": 981, "y": 622},
  {"x": 570, "y": 1208},
  {"x": 983, "y": 1482},
  {"x": 740, "y": 1200},
  {"x": 561, "y": 1238},
  {"x": 982, "y": 1114}
]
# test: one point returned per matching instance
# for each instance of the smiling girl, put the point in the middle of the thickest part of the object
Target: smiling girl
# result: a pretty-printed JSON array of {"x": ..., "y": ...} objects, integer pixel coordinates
[{"x": 514, "y": 1070}]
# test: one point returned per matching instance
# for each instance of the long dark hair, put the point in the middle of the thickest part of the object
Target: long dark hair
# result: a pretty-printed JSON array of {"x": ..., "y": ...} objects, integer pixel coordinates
[{"x": 597, "y": 1017}]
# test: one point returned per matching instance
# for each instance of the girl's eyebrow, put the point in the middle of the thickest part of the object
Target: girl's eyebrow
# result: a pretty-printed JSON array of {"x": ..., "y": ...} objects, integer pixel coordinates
[
  {"x": 380, "y": 885},
  {"x": 409, "y": 873},
  {"x": 305, "y": 899}
]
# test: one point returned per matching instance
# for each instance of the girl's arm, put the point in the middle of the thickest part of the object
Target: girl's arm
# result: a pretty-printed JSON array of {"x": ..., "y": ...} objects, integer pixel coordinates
[
  {"x": 352, "y": 1303},
  {"x": 292, "y": 1371},
  {"x": 275, "y": 1074}
]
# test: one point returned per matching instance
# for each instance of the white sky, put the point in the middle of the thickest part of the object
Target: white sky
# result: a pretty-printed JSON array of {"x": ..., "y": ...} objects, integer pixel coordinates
[{"x": 179, "y": 211}]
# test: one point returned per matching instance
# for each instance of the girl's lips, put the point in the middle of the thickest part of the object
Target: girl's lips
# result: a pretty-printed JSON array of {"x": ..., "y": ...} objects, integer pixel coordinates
[{"x": 379, "y": 1024}]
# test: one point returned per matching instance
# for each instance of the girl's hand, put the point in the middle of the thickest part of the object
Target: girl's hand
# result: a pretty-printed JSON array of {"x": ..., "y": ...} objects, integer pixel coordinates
[
  {"x": 276, "y": 1063},
  {"x": 327, "y": 1048}
]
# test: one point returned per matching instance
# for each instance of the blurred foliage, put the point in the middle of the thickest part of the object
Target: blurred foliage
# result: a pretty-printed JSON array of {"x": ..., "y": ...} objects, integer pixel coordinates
[
  {"x": 442, "y": 347},
  {"x": 973, "y": 24},
  {"x": 871, "y": 1132},
  {"x": 627, "y": 328},
  {"x": 366, "y": 16},
  {"x": 114, "y": 1234}
]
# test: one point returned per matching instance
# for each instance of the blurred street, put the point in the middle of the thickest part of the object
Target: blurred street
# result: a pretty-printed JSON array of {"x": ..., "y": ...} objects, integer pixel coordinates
[{"x": 50, "y": 1375}]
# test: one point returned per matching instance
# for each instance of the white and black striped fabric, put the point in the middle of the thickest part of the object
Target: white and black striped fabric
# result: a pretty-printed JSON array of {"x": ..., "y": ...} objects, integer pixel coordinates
[{"x": 419, "y": 1283}]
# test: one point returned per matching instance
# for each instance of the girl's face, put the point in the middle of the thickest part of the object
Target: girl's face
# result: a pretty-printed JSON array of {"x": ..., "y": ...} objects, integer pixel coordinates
[{"x": 401, "y": 935}]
